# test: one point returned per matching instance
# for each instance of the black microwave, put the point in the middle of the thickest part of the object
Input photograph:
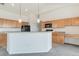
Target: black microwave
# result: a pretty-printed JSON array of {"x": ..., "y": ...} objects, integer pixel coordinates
[
  {"x": 25, "y": 28},
  {"x": 48, "y": 25}
]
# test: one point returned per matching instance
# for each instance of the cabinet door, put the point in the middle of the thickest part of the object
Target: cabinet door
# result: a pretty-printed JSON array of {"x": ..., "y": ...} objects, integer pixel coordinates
[
  {"x": 6, "y": 23},
  {"x": 55, "y": 23},
  {"x": 42, "y": 24},
  {"x": 1, "y": 23},
  {"x": 10, "y": 23},
  {"x": 58, "y": 23},
  {"x": 54, "y": 37},
  {"x": 13, "y": 23},
  {"x": 68, "y": 22},
  {"x": 3, "y": 39},
  {"x": 75, "y": 21},
  {"x": 18, "y": 24},
  {"x": 60, "y": 38}
]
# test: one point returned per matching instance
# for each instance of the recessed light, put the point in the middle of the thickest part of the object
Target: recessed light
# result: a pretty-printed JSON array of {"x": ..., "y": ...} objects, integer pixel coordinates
[
  {"x": 12, "y": 4},
  {"x": 26, "y": 10}
]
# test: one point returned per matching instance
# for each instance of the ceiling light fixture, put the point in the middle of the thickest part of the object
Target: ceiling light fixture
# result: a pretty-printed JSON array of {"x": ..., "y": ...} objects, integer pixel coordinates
[
  {"x": 12, "y": 4},
  {"x": 38, "y": 16},
  {"x": 38, "y": 19},
  {"x": 20, "y": 20},
  {"x": 26, "y": 10}
]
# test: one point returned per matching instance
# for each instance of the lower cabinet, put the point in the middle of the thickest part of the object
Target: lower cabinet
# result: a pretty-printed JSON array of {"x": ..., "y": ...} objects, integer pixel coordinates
[
  {"x": 72, "y": 39},
  {"x": 3, "y": 39},
  {"x": 58, "y": 37}
]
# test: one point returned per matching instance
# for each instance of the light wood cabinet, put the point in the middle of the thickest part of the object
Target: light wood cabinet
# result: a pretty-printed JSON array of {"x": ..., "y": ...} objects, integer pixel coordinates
[
  {"x": 72, "y": 21},
  {"x": 3, "y": 39},
  {"x": 7, "y": 23},
  {"x": 42, "y": 24},
  {"x": 1, "y": 23},
  {"x": 61, "y": 23},
  {"x": 18, "y": 25},
  {"x": 11, "y": 23},
  {"x": 68, "y": 22},
  {"x": 75, "y": 21},
  {"x": 55, "y": 24},
  {"x": 58, "y": 23},
  {"x": 58, "y": 37}
]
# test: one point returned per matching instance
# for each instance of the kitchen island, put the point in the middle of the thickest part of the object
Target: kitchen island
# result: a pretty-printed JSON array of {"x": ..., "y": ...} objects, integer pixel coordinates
[{"x": 28, "y": 42}]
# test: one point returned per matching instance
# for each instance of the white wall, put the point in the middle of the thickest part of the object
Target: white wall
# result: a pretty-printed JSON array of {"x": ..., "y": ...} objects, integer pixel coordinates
[{"x": 64, "y": 12}]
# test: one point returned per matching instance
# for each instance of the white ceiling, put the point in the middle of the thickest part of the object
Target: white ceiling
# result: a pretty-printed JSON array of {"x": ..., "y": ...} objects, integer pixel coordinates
[{"x": 33, "y": 7}]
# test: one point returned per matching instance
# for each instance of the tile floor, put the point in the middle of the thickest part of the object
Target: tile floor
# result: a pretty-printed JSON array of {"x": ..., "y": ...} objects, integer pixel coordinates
[{"x": 60, "y": 50}]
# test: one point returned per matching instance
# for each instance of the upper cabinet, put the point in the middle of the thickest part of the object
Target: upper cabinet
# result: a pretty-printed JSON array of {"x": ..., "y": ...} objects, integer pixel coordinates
[
  {"x": 8, "y": 23},
  {"x": 58, "y": 23},
  {"x": 54, "y": 23},
  {"x": 11, "y": 23},
  {"x": 75, "y": 21},
  {"x": 68, "y": 22},
  {"x": 14, "y": 24},
  {"x": 44, "y": 23},
  {"x": 1, "y": 23}
]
